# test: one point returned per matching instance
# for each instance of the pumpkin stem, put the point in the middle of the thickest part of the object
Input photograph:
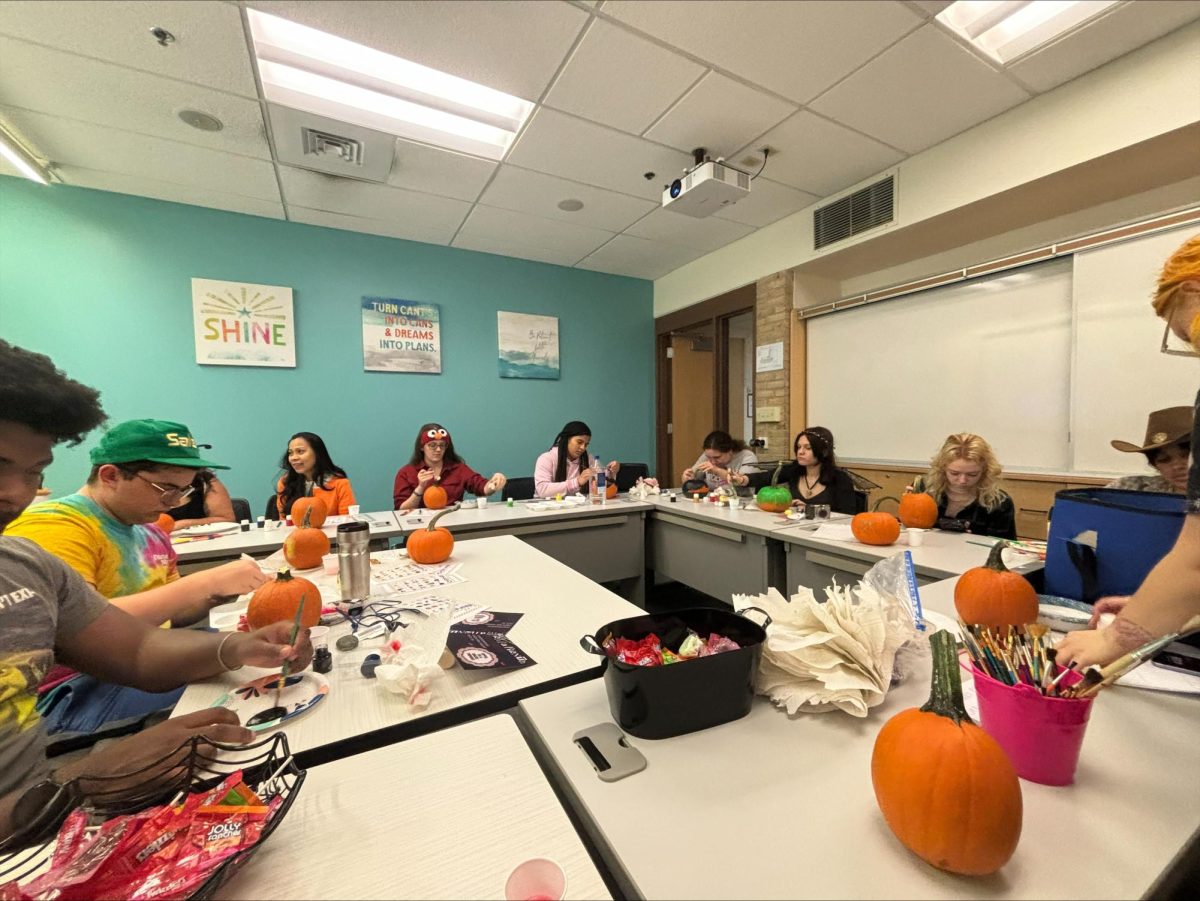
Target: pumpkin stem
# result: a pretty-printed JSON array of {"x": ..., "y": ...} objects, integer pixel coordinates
[
  {"x": 945, "y": 690},
  {"x": 284, "y": 575},
  {"x": 995, "y": 560},
  {"x": 775, "y": 475},
  {"x": 442, "y": 513}
]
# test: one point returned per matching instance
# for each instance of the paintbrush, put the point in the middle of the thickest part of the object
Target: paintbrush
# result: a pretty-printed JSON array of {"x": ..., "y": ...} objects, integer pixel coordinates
[
  {"x": 1136, "y": 658},
  {"x": 287, "y": 664}
]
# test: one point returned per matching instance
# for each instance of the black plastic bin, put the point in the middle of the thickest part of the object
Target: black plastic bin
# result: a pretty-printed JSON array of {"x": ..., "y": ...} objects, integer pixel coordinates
[{"x": 662, "y": 701}]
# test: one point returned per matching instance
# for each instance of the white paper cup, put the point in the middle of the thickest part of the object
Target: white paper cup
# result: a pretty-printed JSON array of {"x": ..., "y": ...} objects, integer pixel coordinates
[
  {"x": 319, "y": 636},
  {"x": 481, "y": 502},
  {"x": 330, "y": 564},
  {"x": 916, "y": 537},
  {"x": 539, "y": 877}
]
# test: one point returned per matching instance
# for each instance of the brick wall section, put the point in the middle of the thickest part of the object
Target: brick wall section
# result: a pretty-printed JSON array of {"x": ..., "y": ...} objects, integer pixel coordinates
[{"x": 773, "y": 316}]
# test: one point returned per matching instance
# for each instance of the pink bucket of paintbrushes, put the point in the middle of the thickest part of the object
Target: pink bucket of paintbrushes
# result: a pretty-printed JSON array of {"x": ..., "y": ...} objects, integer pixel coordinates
[{"x": 1041, "y": 735}]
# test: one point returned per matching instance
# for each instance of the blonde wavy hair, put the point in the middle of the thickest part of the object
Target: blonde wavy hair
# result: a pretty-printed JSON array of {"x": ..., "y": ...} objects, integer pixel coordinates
[{"x": 974, "y": 449}]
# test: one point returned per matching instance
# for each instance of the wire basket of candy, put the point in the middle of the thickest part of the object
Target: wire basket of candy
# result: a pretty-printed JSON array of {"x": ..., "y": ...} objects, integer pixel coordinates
[{"x": 178, "y": 828}]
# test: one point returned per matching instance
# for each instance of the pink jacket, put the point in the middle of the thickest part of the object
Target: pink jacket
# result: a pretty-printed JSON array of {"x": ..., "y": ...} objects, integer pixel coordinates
[{"x": 543, "y": 475}]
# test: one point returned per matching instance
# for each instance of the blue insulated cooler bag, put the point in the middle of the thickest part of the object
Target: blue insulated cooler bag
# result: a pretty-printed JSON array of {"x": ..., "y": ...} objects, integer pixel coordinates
[{"x": 1132, "y": 531}]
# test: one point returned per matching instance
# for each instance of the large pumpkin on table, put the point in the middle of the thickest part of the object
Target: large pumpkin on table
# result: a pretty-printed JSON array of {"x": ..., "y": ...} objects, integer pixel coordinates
[
  {"x": 875, "y": 528},
  {"x": 432, "y": 544},
  {"x": 278, "y": 600},
  {"x": 945, "y": 787},
  {"x": 774, "y": 498},
  {"x": 312, "y": 507},
  {"x": 305, "y": 547},
  {"x": 918, "y": 510},
  {"x": 994, "y": 595},
  {"x": 435, "y": 497}
]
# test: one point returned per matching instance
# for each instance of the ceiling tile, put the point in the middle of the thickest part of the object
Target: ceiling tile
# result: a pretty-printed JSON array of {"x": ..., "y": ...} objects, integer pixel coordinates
[
  {"x": 535, "y": 232},
  {"x": 333, "y": 194},
  {"x": 390, "y": 229},
  {"x": 117, "y": 97},
  {"x": 794, "y": 49},
  {"x": 1123, "y": 29},
  {"x": 162, "y": 190},
  {"x": 720, "y": 115},
  {"x": 920, "y": 92},
  {"x": 209, "y": 48},
  {"x": 562, "y": 145},
  {"x": 706, "y": 234},
  {"x": 557, "y": 256},
  {"x": 587, "y": 87},
  {"x": 767, "y": 202},
  {"x": 821, "y": 157},
  {"x": 95, "y": 147},
  {"x": 637, "y": 257},
  {"x": 437, "y": 171},
  {"x": 514, "y": 46},
  {"x": 933, "y": 7},
  {"x": 539, "y": 194}
]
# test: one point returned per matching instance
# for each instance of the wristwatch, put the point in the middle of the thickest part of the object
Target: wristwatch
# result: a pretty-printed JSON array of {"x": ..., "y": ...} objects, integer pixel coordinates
[{"x": 40, "y": 810}]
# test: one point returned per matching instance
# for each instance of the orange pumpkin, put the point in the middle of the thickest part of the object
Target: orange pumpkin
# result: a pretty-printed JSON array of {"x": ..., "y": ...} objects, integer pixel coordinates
[
  {"x": 278, "y": 600},
  {"x": 945, "y": 787},
  {"x": 305, "y": 547},
  {"x": 610, "y": 490},
  {"x": 165, "y": 522},
  {"x": 918, "y": 510},
  {"x": 435, "y": 497},
  {"x": 993, "y": 595},
  {"x": 875, "y": 528},
  {"x": 313, "y": 507},
  {"x": 431, "y": 544}
]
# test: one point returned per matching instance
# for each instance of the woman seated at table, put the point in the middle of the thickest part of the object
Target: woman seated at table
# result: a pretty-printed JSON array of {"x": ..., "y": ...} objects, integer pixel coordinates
[
  {"x": 567, "y": 468},
  {"x": 208, "y": 502},
  {"x": 964, "y": 481},
  {"x": 1167, "y": 446},
  {"x": 308, "y": 471},
  {"x": 725, "y": 461},
  {"x": 435, "y": 462},
  {"x": 814, "y": 476}
]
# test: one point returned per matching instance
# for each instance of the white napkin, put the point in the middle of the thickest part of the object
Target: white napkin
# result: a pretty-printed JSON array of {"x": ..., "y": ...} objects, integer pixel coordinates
[{"x": 644, "y": 489}]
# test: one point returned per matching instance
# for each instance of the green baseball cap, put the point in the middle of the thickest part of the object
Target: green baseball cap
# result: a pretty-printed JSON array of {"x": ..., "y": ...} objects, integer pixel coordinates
[{"x": 156, "y": 440}]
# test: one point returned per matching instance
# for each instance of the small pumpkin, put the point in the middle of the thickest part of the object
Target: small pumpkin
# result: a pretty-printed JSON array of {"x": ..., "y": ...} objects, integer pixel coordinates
[
  {"x": 313, "y": 507},
  {"x": 918, "y": 510},
  {"x": 305, "y": 547},
  {"x": 610, "y": 490},
  {"x": 994, "y": 595},
  {"x": 435, "y": 497},
  {"x": 278, "y": 600},
  {"x": 165, "y": 522},
  {"x": 875, "y": 528},
  {"x": 695, "y": 488},
  {"x": 774, "y": 498},
  {"x": 431, "y": 544},
  {"x": 945, "y": 787}
]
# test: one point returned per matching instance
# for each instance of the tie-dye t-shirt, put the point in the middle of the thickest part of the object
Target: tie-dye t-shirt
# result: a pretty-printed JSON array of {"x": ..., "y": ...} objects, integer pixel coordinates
[
  {"x": 114, "y": 558},
  {"x": 42, "y": 602}
]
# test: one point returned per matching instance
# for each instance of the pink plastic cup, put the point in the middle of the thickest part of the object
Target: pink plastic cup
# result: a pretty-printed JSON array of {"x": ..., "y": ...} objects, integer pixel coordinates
[
  {"x": 537, "y": 879},
  {"x": 1042, "y": 736}
]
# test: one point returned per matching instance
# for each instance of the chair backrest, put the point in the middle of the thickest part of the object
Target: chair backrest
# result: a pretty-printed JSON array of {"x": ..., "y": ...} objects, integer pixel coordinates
[
  {"x": 520, "y": 489},
  {"x": 861, "y": 501},
  {"x": 272, "y": 511},
  {"x": 629, "y": 473},
  {"x": 241, "y": 509}
]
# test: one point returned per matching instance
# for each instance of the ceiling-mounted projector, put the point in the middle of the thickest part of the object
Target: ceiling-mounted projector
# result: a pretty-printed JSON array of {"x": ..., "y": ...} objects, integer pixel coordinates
[{"x": 705, "y": 188}]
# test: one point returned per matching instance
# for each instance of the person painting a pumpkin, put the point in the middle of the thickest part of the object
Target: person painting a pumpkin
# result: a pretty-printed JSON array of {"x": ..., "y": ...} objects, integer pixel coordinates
[
  {"x": 725, "y": 461},
  {"x": 1170, "y": 594},
  {"x": 814, "y": 476},
  {"x": 436, "y": 476},
  {"x": 964, "y": 480},
  {"x": 1167, "y": 446},
  {"x": 309, "y": 471},
  {"x": 567, "y": 468}
]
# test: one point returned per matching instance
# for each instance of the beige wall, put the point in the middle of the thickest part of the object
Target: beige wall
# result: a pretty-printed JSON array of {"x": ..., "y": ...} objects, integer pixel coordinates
[{"x": 774, "y": 316}]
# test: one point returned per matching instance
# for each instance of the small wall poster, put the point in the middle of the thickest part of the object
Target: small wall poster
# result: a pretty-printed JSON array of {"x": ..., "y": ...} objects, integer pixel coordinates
[
  {"x": 240, "y": 324},
  {"x": 401, "y": 335},
  {"x": 769, "y": 357},
  {"x": 528, "y": 346}
]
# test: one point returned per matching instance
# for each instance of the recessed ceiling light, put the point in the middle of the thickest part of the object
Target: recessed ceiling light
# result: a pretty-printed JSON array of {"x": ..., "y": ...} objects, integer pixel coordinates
[
  {"x": 320, "y": 73},
  {"x": 1008, "y": 29},
  {"x": 202, "y": 121},
  {"x": 571, "y": 205}
]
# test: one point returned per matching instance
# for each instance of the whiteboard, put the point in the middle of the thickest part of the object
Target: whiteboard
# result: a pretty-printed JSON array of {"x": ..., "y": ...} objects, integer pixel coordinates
[
  {"x": 990, "y": 356},
  {"x": 1120, "y": 376}
]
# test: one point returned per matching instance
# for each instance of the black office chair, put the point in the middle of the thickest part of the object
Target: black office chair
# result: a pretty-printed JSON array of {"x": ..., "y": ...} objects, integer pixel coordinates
[
  {"x": 272, "y": 511},
  {"x": 520, "y": 489},
  {"x": 241, "y": 509},
  {"x": 629, "y": 473},
  {"x": 861, "y": 501}
]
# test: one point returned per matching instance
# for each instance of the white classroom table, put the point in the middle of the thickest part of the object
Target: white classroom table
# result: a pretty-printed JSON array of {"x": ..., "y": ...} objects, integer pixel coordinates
[
  {"x": 446, "y": 815},
  {"x": 774, "y": 807},
  {"x": 503, "y": 574}
]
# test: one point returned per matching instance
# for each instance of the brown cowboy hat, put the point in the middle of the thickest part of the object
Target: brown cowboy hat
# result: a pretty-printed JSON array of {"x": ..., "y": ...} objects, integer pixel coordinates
[{"x": 1163, "y": 428}]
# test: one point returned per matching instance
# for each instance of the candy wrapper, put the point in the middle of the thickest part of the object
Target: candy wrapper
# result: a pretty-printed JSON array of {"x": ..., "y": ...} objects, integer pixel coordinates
[
  {"x": 649, "y": 651},
  {"x": 644, "y": 488}
]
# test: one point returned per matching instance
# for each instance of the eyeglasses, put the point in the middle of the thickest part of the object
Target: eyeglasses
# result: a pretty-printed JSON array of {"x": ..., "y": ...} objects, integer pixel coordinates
[
  {"x": 436, "y": 445},
  {"x": 169, "y": 494}
]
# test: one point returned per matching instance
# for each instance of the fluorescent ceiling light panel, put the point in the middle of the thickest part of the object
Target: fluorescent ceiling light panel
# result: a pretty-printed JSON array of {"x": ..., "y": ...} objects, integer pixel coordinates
[
  {"x": 1008, "y": 29},
  {"x": 316, "y": 72},
  {"x": 12, "y": 151}
]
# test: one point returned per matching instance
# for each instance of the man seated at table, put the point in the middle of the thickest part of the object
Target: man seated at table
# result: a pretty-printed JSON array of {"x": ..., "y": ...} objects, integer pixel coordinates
[
  {"x": 105, "y": 532},
  {"x": 47, "y": 611}
]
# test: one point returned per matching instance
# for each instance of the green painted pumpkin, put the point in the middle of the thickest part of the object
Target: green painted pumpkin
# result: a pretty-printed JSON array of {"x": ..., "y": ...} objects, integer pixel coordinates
[{"x": 774, "y": 498}]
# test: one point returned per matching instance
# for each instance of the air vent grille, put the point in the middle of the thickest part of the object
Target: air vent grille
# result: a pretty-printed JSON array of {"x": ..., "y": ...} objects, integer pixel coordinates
[
  {"x": 855, "y": 213},
  {"x": 326, "y": 145}
]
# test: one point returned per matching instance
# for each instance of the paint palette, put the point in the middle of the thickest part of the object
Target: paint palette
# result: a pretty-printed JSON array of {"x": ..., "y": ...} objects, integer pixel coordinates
[
  {"x": 1063, "y": 614},
  {"x": 301, "y": 693},
  {"x": 206, "y": 528}
]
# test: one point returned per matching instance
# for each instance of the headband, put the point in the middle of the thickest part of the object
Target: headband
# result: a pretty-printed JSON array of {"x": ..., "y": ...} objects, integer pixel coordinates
[{"x": 438, "y": 434}]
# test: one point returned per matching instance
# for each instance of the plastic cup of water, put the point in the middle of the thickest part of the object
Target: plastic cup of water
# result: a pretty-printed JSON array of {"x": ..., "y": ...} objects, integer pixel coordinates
[
  {"x": 481, "y": 502},
  {"x": 329, "y": 563},
  {"x": 537, "y": 879}
]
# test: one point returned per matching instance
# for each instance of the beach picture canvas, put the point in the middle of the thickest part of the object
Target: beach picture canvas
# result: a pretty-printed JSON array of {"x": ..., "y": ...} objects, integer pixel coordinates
[{"x": 528, "y": 346}]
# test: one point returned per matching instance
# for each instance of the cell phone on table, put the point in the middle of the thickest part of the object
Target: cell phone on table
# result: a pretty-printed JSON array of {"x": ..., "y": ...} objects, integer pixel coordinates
[
  {"x": 609, "y": 752},
  {"x": 1174, "y": 658}
]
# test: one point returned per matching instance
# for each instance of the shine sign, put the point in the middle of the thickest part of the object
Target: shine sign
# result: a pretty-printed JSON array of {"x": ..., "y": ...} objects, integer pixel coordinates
[{"x": 239, "y": 324}]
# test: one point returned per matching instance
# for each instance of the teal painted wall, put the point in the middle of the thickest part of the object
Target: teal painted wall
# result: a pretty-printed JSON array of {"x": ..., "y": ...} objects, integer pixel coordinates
[{"x": 102, "y": 284}]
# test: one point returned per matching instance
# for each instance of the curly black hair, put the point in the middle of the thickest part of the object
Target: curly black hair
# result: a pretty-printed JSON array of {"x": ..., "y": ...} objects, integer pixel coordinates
[{"x": 37, "y": 394}]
